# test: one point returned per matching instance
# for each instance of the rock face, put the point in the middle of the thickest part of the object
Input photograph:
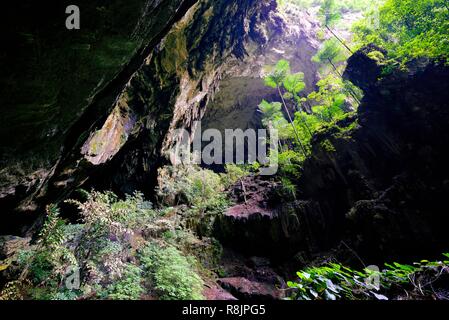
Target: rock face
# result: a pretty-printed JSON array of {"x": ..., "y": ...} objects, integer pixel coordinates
[
  {"x": 248, "y": 290},
  {"x": 10, "y": 245},
  {"x": 364, "y": 68},
  {"x": 288, "y": 34},
  {"x": 257, "y": 225},
  {"x": 250, "y": 278},
  {"x": 57, "y": 85},
  {"x": 381, "y": 184},
  {"x": 376, "y": 185},
  {"x": 99, "y": 106}
]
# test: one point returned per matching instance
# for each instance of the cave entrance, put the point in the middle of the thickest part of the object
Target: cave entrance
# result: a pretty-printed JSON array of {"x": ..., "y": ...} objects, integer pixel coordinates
[{"x": 235, "y": 107}]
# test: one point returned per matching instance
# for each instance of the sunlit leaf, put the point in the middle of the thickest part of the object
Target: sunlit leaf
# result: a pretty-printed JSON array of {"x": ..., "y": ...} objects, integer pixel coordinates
[
  {"x": 294, "y": 83},
  {"x": 379, "y": 296}
]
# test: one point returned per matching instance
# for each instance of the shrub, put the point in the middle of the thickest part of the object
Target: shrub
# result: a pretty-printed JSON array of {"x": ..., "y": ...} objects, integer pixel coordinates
[
  {"x": 129, "y": 286},
  {"x": 103, "y": 211},
  {"x": 407, "y": 29},
  {"x": 172, "y": 274},
  {"x": 201, "y": 190},
  {"x": 45, "y": 265},
  {"x": 336, "y": 282},
  {"x": 233, "y": 174},
  {"x": 191, "y": 185}
]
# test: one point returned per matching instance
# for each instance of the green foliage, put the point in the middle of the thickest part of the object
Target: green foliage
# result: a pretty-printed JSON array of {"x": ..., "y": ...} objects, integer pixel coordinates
[
  {"x": 282, "y": 79},
  {"x": 329, "y": 105},
  {"x": 133, "y": 211},
  {"x": 330, "y": 95},
  {"x": 129, "y": 286},
  {"x": 329, "y": 12},
  {"x": 14, "y": 290},
  {"x": 190, "y": 184},
  {"x": 64, "y": 295},
  {"x": 356, "y": 5},
  {"x": 203, "y": 191},
  {"x": 294, "y": 83},
  {"x": 331, "y": 51},
  {"x": 172, "y": 274},
  {"x": 46, "y": 264},
  {"x": 340, "y": 6},
  {"x": 277, "y": 74},
  {"x": 407, "y": 29},
  {"x": 319, "y": 109},
  {"x": 202, "y": 186},
  {"x": 290, "y": 164},
  {"x": 287, "y": 190},
  {"x": 234, "y": 173},
  {"x": 302, "y": 4},
  {"x": 101, "y": 210},
  {"x": 337, "y": 282},
  {"x": 274, "y": 118},
  {"x": 327, "y": 146},
  {"x": 100, "y": 246},
  {"x": 124, "y": 247},
  {"x": 52, "y": 233}
]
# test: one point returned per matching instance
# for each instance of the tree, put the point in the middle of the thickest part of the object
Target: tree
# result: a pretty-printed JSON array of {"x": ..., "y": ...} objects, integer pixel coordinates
[
  {"x": 272, "y": 116},
  {"x": 330, "y": 98},
  {"x": 281, "y": 78},
  {"x": 408, "y": 29},
  {"x": 330, "y": 14},
  {"x": 330, "y": 52}
]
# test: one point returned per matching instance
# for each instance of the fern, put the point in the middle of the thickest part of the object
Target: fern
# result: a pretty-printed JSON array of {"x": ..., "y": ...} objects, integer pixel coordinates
[{"x": 52, "y": 233}]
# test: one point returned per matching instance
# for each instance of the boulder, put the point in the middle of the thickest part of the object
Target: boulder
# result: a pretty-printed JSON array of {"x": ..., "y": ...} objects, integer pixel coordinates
[
  {"x": 10, "y": 245},
  {"x": 248, "y": 290}
]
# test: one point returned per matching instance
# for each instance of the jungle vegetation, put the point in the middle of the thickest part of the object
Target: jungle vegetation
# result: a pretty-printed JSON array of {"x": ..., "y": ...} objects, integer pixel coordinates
[{"x": 134, "y": 249}]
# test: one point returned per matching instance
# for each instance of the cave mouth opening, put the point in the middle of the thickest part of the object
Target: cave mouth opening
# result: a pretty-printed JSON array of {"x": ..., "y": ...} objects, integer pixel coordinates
[{"x": 235, "y": 107}]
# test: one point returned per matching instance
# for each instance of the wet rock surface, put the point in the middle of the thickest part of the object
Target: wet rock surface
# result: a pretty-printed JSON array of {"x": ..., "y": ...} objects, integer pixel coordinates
[
  {"x": 157, "y": 74},
  {"x": 286, "y": 34},
  {"x": 256, "y": 225},
  {"x": 217, "y": 293},
  {"x": 250, "y": 278},
  {"x": 57, "y": 85},
  {"x": 10, "y": 245},
  {"x": 249, "y": 290},
  {"x": 378, "y": 194},
  {"x": 383, "y": 186}
]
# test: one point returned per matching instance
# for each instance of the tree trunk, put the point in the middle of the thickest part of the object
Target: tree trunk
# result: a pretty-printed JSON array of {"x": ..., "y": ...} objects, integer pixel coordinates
[
  {"x": 351, "y": 92},
  {"x": 340, "y": 40},
  {"x": 291, "y": 122},
  {"x": 302, "y": 120}
]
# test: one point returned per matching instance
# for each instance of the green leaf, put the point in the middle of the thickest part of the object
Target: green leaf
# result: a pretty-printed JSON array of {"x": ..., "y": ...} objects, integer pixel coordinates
[
  {"x": 283, "y": 66},
  {"x": 4, "y": 267},
  {"x": 329, "y": 296},
  {"x": 303, "y": 275},
  {"x": 294, "y": 83},
  {"x": 331, "y": 286},
  {"x": 270, "y": 82},
  {"x": 313, "y": 293},
  {"x": 379, "y": 296}
]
